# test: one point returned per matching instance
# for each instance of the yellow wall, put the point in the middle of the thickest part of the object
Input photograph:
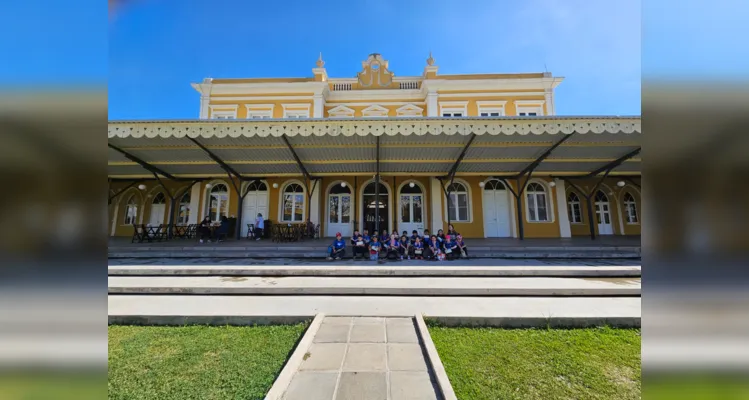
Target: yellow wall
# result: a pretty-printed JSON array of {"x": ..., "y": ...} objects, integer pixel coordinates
[
  {"x": 473, "y": 108},
  {"x": 473, "y": 229},
  {"x": 276, "y": 102}
]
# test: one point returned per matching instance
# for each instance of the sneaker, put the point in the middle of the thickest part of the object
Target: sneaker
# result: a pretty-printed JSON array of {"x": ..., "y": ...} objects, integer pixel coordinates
[
  {"x": 401, "y": 258},
  {"x": 338, "y": 258},
  {"x": 201, "y": 240},
  {"x": 329, "y": 258},
  {"x": 257, "y": 239}
]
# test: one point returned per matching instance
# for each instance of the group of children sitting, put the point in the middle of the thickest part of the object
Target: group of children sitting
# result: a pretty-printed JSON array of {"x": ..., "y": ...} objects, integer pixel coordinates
[{"x": 441, "y": 246}]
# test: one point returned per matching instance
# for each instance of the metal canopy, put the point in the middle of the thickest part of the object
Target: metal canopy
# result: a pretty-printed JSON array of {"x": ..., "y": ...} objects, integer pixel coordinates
[{"x": 408, "y": 146}]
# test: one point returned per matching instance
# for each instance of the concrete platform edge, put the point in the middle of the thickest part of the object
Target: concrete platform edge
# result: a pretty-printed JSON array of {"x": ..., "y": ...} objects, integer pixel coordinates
[
  {"x": 283, "y": 380},
  {"x": 433, "y": 358}
]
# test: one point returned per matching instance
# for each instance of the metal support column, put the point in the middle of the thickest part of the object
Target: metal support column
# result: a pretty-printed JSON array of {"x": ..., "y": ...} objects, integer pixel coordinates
[{"x": 377, "y": 188}]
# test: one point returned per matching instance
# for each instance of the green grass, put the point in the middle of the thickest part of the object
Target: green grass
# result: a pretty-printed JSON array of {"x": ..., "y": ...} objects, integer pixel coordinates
[
  {"x": 197, "y": 362},
  {"x": 491, "y": 363}
]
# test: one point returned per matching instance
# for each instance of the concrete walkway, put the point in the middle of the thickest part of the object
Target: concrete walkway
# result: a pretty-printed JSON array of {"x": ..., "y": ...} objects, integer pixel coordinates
[
  {"x": 360, "y": 358},
  {"x": 394, "y": 286},
  {"x": 495, "y": 311}
]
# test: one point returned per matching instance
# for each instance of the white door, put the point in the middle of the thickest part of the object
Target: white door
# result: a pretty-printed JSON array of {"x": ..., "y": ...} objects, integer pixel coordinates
[
  {"x": 496, "y": 210},
  {"x": 254, "y": 203},
  {"x": 339, "y": 215},
  {"x": 411, "y": 213},
  {"x": 157, "y": 214},
  {"x": 603, "y": 214}
]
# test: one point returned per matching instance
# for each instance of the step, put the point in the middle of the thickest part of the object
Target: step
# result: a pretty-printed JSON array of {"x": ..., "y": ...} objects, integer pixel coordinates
[
  {"x": 376, "y": 270},
  {"x": 320, "y": 253},
  {"x": 380, "y": 286},
  {"x": 493, "y": 311}
]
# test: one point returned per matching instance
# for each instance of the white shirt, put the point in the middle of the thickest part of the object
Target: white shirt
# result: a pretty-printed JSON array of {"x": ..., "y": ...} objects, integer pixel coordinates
[{"x": 259, "y": 223}]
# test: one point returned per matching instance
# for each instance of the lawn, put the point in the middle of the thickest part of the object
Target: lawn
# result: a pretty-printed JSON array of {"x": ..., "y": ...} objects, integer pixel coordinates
[
  {"x": 491, "y": 363},
  {"x": 197, "y": 362}
]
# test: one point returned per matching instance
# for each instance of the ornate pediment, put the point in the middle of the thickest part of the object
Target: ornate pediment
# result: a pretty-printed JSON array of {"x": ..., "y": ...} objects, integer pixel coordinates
[
  {"x": 341, "y": 111},
  {"x": 410, "y": 110},
  {"x": 375, "y": 111},
  {"x": 375, "y": 73}
]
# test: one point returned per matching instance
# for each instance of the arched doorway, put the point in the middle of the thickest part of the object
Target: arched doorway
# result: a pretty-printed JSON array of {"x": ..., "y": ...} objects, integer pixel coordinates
[
  {"x": 255, "y": 202},
  {"x": 158, "y": 209},
  {"x": 496, "y": 209},
  {"x": 370, "y": 206},
  {"x": 411, "y": 208},
  {"x": 217, "y": 201},
  {"x": 339, "y": 210},
  {"x": 603, "y": 214}
]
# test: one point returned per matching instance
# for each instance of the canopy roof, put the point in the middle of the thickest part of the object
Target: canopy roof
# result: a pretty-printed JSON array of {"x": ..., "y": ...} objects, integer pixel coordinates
[{"x": 407, "y": 146}]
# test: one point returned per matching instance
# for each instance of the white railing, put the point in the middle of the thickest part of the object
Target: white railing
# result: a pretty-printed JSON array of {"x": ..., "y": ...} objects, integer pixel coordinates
[
  {"x": 341, "y": 86},
  {"x": 409, "y": 85}
]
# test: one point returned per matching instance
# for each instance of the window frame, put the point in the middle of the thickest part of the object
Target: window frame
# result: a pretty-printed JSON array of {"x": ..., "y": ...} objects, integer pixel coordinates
[
  {"x": 186, "y": 205},
  {"x": 570, "y": 204},
  {"x": 128, "y": 205},
  {"x": 547, "y": 203},
  {"x": 297, "y": 111},
  {"x": 491, "y": 107},
  {"x": 626, "y": 203},
  {"x": 282, "y": 196},
  {"x": 454, "y": 202},
  {"x": 529, "y": 106},
  {"x": 259, "y": 111},
  {"x": 207, "y": 200},
  {"x": 453, "y": 107}
]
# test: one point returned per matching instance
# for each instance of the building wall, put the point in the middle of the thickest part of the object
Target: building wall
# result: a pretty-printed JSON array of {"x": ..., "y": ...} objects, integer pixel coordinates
[{"x": 472, "y": 229}]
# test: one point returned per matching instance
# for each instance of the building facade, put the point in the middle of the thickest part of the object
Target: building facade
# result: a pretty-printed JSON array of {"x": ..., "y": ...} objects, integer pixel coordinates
[{"x": 484, "y": 152}]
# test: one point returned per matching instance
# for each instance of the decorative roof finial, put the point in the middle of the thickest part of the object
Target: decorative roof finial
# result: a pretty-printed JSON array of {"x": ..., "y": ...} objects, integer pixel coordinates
[
  {"x": 430, "y": 60},
  {"x": 320, "y": 62}
]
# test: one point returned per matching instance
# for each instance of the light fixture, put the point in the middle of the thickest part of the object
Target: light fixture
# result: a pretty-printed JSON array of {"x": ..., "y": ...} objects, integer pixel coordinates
[
  {"x": 343, "y": 184},
  {"x": 142, "y": 187},
  {"x": 208, "y": 185},
  {"x": 621, "y": 183},
  {"x": 411, "y": 184},
  {"x": 481, "y": 184},
  {"x": 275, "y": 185},
  {"x": 552, "y": 184}
]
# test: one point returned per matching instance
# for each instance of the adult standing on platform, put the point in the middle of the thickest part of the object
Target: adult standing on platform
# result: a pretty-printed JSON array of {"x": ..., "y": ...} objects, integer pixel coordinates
[{"x": 259, "y": 226}]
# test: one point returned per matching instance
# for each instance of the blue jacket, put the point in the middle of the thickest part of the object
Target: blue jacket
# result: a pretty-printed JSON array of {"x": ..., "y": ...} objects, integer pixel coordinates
[
  {"x": 375, "y": 246},
  {"x": 367, "y": 239},
  {"x": 419, "y": 245},
  {"x": 413, "y": 238},
  {"x": 339, "y": 244}
]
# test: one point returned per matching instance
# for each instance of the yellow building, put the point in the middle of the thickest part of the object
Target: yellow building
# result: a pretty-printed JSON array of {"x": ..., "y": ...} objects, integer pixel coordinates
[{"x": 485, "y": 152}]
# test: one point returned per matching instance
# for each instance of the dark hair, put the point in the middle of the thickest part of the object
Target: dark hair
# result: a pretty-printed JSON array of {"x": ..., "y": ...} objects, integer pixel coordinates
[{"x": 415, "y": 231}]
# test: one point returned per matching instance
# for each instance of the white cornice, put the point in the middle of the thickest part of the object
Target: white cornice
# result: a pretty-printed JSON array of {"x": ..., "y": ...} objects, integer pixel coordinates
[
  {"x": 491, "y": 94},
  {"x": 223, "y": 106},
  {"x": 262, "y": 88},
  {"x": 491, "y": 84},
  {"x": 376, "y": 95}
]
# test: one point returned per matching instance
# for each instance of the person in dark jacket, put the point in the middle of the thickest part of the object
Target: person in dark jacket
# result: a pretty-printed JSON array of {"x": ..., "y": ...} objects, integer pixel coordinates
[{"x": 358, "y": 245}]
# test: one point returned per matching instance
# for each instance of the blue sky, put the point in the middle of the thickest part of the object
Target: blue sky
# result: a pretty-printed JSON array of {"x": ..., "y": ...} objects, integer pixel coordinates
[{"x": 158, "y": 47}]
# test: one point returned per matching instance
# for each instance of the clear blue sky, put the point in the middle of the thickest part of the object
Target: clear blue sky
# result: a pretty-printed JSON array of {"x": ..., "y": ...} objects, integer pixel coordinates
[{"x": 157, "y": 48}]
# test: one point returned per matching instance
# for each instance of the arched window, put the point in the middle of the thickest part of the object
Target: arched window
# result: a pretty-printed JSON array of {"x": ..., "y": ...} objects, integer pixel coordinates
[
  {"x": 184, "y": 208},
  {"x": 257, "y": 186},
  {"x": 159, "y": 199},
  {"x": 457, "y": 207},
  {"x": 293, "y": 203},
  {"x": 630, "y": 208},
  {"x": 536, "y": 203},
  {"x": 131, "y": 210},
  {"x": 494, "y": 184},
  {"x": 601, "y": 197},
  {"x": 573, "y": 206},
  {"x": 218, "y": 202}
]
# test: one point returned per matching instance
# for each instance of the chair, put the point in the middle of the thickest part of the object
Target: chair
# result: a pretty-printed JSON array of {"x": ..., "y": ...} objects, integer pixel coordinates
[
  {"x": 317, "y": 231},
  {"x": 140, "y": 234},
  {"x": 192, "y": 231},
  {"x": 222, "y": 231},
  {"x": 250, "y": 231}
]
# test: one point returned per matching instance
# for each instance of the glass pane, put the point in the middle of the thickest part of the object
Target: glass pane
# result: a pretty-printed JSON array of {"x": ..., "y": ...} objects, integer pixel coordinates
[
  {"x": 288, "y": 203},
  {"x": 463, "y": 214},
  {"x": 406, "y": 209},
  {"x": 333, "y": 209},
  {"x": 607, "y": 218},
  {"x": 598, "y": 214},
  {"x": 541, "y": 202},
  {"x": 184, "y": 214},
  {"x": 224, "y": 209},
  {"x": 531, "y": 207},
  {"x": 298, "y": 207},
  {"x": 345, "y": 209},
  {"x": 417, "y": 209},
  {"x": 451, "y": 213},
  {"x": 213, "y": 209}
]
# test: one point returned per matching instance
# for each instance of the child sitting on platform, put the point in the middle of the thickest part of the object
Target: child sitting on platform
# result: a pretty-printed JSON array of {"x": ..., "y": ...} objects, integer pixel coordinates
[
  {"x": 417, "y": 250},
  {"x": 414, "y": 236},
  {"x": 338, "y": 248},
  {"x": 463, "y": 249},
  {"x": 359, "y": 246},
  {"x": 451, "y": 248},
  {"x": 435, "y": 252},
  {"x": 393, "y": 247},
  {"x": 403, "y": 247},
  {"x": 374, "y": 249}
]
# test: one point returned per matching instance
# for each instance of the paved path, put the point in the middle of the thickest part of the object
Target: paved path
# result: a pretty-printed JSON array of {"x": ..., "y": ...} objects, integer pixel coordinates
[{"x": 361, "y": 359}]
